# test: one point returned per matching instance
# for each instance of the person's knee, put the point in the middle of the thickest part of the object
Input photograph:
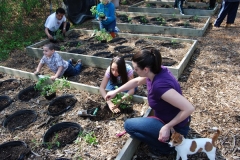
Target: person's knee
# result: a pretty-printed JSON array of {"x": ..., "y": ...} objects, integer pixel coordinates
[{"x": 128, "y": 125}]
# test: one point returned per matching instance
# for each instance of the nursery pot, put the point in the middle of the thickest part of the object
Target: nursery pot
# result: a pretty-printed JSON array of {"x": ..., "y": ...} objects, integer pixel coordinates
[
  {"x": 19, "y": 147},
  {"x": 15, "y": 81},
  {"x": 20, "y": 124},
  {"x": 5, "y": 102},
  {"x": 58, "y": 127},
  {"x": 28, "y": 93},
  {"x": 64, "y": 102},
  {"x": 51, "y": 96}
]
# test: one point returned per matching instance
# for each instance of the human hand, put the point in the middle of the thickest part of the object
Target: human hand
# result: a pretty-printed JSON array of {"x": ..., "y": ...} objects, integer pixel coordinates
[
  {"x": 50, "y": 37},
  {"x": 53, "y": 77},
  {"x": 113, "y": 108},
  {"x": 164, "y": 134},
  {"x": 110, "y": 95}
]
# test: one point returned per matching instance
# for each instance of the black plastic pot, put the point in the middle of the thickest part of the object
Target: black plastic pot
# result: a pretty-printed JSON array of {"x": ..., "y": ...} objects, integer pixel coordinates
[
  {"x": 123, "y": 49},
  {"x": 78, "y": 51},
  {"x": 18, "y": 113},
  {"x": 28, "y": 93},
  {"x": 168, "y": 61},
  {"x": 22, "y": 156},
  {"x": 58, "y": 127},
  {"x": 9, "y": 80},
  {"x": 98, "y": 46},
  {"x": 128, "y": 56},
  {"x": 128, "y": 109},
  {"x": 5, "y": 98},
  {"x": 104, "y": 54},
  {"x": 68, "y": 106},
  {"x": 51, "y": 96},
  {"x": 118, "y": 40}
]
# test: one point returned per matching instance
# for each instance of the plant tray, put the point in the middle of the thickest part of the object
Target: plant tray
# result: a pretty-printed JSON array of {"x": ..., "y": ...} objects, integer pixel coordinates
[
  {"x": 184, "y": 27},
  {"x": 99, "y": 62},
  {"x": 191, "y": 8}
]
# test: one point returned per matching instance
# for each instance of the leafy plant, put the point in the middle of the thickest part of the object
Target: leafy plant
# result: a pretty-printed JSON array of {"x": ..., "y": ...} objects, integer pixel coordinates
[
  {"x": 102, "y": 35},
  {"x": 118, "y": 100},
  {"x": 186, "y": 24},
  {"x": 174, "y": 42},
  {"x": 59, "y": 36},
  {"x": 129, "y": 19},
  {"x": 143, "y": 19},
  {"x": 90, "y": 138},
  {"x": 161, "y": 19},
  {"x": 48, "y": 89},
  {"x": 196, "y": 18},
  {"x": 53, "y": 143},
  {"x": 124, "y": 2},
  {"x": 79, "y": 44},
  {"x": 62, "y": 48},
  {"x": 174, "y": 15},
  {"x": 148, "y": 5},
  {"x": 95, "y": 12}
]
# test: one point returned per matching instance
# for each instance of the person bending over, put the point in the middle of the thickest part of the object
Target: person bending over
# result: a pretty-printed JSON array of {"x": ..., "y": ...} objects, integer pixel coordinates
[
  {"x": 56, "y": 64},
  {"x": 117, "y": 74},
  {"x": 170, "y": 108},
  {"x": 56, "y": 21}
]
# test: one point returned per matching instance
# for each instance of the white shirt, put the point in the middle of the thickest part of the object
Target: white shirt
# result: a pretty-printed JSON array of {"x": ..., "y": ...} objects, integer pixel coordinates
[{"x": 52, "y": 23}]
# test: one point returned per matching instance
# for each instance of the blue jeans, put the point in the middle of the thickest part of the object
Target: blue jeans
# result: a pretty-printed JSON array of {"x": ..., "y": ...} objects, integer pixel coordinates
[
  {"x": 108, "y": 27},
  {"x": 72, "y": 70},
  {"x": 147, "y": 130},
  {"x": 110, "y": 86}
]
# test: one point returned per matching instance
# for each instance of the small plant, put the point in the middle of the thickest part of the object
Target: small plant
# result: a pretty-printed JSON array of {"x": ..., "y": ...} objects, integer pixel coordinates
[
  {"x": 124, "y": 2},
  {"x": 174, "y": 15},
  {"x": 62, "y": 48},
  {"x": 196, "y": 18},
  {"x": 95, "y": 12},
  {"x": 186, "y": 24},
  {"x": 79, "y": 44},
  {"x": 102, "y": 35},
  {"x": 174, "y": 42},
  {"x": 48, "y": 89},
  {"x": 123, "y": 104},
  {"x": 143, "y": 19},
  {"x": 53, "y": 143},
  {"x": 90, "y": 138},
  {"x": 161, "y": 19},
  {"x": 129, "y": 19},
  {"x": 148, "y": 5},
  {"x": 59, "y": 36}
]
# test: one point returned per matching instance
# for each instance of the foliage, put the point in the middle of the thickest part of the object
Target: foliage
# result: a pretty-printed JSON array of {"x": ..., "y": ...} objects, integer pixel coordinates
[
  {"x": 59, "y": 36},
  {"x": 162, "y": 20},
  {"x": 53, "y": 143},
  {"x": 143, "y": 19},
  {"x": 95, "y": 12},
  {"x": 123, "y": 2},
  {"x": 18, "y": 21},
  {"x": 90, "y": 138},
  {"x": 196, "y": 18},
  {"x": 186, "y": 24},
  {"x": 102, "y": 35},
  {"x": 117, "y": 100},
  {"x": 48, "y": 89}
]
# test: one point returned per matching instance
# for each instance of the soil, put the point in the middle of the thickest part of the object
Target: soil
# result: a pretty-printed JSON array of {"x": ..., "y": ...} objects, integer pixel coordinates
[
  {"x": 61, "y": 104},
  {"x": 9, "y": 85},
  {"x": 210, "y": 82},
  {"x": 193, "y": 22},
  {"x": 63, "y": 137},
  {"x": 13, "y": 152},
  {"x": 28, "y": 94},
  {"x": 20, "y": 121}
]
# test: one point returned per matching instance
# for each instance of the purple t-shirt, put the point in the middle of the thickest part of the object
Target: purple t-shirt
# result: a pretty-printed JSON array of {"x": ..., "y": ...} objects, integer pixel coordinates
[{"x": 161, "y": 83}]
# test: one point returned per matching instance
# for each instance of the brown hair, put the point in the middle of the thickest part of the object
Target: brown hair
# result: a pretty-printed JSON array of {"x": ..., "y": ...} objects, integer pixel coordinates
[
  {"x": 121, "y": 66},
  {"x": 50, "y": 46},
  {"x": 151, "y": 59}
]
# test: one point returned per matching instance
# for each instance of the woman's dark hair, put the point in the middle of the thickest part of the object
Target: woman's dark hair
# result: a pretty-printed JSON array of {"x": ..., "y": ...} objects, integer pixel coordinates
[
  {"x": 121, "y": 66},
  {"x": 60, "y": 10},
  {"x": 151, "y": 59}
]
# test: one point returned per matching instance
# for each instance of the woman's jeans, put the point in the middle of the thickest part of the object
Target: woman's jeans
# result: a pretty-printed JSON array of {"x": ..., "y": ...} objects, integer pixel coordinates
[
  {"x": 72, "y": 70},
  {"x": 147, "y": 129}
]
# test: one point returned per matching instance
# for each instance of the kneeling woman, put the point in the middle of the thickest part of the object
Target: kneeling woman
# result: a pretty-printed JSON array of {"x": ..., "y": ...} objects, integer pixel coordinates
[
  {"x": 117, "y": 74},
  {"x": 171, "y": 109}
]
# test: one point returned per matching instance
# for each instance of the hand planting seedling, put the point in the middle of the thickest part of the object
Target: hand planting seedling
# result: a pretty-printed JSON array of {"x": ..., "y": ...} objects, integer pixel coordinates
[{"x": 123, "y": 100}]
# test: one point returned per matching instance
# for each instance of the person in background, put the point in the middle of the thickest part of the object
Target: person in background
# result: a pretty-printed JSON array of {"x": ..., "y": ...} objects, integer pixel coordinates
[
  {"x": 117, "y": 74},
  {"x": 229, "y": 8},
  {"x": 106, "y": 16},
  {"x": 171, "y": 109},
  {"x": 179, "y": 4},
  {"x": 56, "y": 64},
  {"x": 56, "y": 21}
]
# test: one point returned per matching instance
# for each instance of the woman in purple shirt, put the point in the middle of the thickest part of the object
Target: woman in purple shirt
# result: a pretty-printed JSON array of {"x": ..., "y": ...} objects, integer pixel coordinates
[{"x": 171, "y": 109}]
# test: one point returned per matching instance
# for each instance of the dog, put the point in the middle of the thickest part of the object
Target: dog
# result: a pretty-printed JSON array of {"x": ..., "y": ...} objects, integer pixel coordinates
[{"x": 186, "y": 147}]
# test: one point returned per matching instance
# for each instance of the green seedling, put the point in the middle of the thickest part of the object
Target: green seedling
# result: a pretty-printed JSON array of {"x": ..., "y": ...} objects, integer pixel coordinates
[
  {"x": 174, "y": 42},
  {"x": 148, "y": 5},
  {"x": 122, "y": 99},
  {"x": 94, "y": 11},
  {"x": 101, "y": 14},
  {"x": 62, "y": 48},
  {"x": 186, "y": 24},
  {"x": 143, "y": 19},
  {"x": 79, "y": 44},
  {"x": 129, "y": 19},
  {"x": 102, "y": 35},
  {"x": 59, "y": 36},
  {"x": 124, "y": 2},
  {"x": 47, "y": 89},
  {"x": 174, "y": 15},
  {"x": 196, "y": 18},
  {"x": 54, "y": 142}
]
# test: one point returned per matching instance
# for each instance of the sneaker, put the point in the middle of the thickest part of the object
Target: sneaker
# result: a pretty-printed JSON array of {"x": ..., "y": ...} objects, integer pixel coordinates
[
  {"x": 116, "y": 29},
  {"x": 182, "y": 13},
  {"x": 79, "y": 61}
]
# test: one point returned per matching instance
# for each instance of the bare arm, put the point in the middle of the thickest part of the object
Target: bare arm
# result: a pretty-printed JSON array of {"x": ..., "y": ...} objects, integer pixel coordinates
[
  {"x": 131, "y": 91},
  {"x": 40, "y": 65},
  {"x": 64, "y": 27},
  {"x": 186, "y": 109},
  {"x": 103, "y": 93},
  {"x": 47, "y": 33},
  {"x": 127, "y": 86},
  {"x": 57, "y": 74}
]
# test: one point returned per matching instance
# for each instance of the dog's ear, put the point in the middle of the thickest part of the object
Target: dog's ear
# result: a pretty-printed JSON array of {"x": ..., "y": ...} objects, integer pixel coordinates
[{"x": 172, "y": 130}]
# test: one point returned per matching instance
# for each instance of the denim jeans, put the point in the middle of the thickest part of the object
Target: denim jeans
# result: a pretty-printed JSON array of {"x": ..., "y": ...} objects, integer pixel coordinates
[
  {"x": 179, "y": 4},
  {"x": 147, "y": 129},
  {"x": 110, "y": 27},
  {"x": 72, "y": 70}
]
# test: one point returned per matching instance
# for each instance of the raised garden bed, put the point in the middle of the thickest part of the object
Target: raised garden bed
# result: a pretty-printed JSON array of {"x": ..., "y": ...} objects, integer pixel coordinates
[
  {"x": 191, "y": 8},
  {"x": 154, "y": 23},
  {"x": 179, "y": 50},
  {"x": 104, "y": 127}
]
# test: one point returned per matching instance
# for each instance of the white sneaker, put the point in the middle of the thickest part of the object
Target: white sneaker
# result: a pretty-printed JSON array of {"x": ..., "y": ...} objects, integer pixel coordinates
[
  {"x": 116, "y": 29},
  {"x": 182, "y": 13}
]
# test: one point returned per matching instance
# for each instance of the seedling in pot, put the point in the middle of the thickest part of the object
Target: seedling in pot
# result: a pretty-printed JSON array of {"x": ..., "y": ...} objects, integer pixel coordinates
[
  {"x": 122, "y": 99},
  {"x": 47, "y": 89},
  {"x": 143, "y": 19},
  {"x": 101, "y": 15},
  {"x": 53, "y": 143},
  {"x": 102, "y": 35}
]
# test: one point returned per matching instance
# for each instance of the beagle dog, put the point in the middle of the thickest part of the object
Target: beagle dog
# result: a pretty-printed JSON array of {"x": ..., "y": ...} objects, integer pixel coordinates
[{"x": 186, "y": 147}]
